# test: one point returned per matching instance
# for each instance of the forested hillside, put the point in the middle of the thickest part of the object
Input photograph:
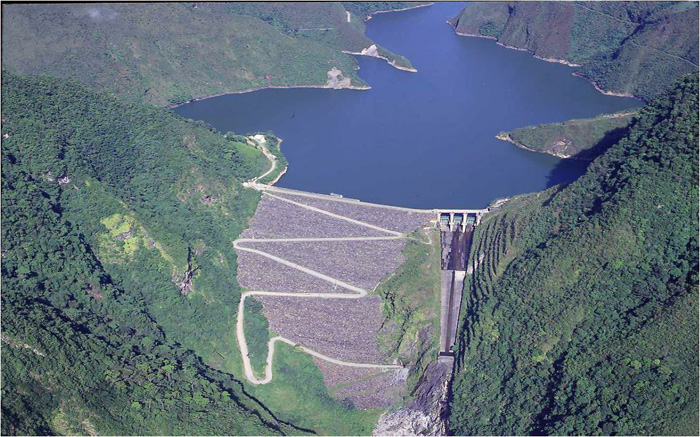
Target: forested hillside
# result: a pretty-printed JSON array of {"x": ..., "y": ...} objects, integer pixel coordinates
[
  {"x": 117, "y": 221},
  {"x": 168, "y": 53},
  {"x": 630, "y": 48},
  {"x": 582, "y": 314},
  {"x": 580, "y": 139},
  {"x": 366, "y": 9}
]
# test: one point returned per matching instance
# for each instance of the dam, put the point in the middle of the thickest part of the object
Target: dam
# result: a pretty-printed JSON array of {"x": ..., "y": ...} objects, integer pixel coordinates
[
  {"x": 456, "y": 228},
  {"x": 456, "y": 231},
  {"x": 314, "y": 261}
]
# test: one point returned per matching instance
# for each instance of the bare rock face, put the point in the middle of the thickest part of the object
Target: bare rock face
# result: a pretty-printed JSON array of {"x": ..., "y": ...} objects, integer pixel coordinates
[
  {"x": 336, "y": 80},
  {"x": 370, "y": 51},
  {"x": 184, "y": 280},
  {"x": 425, "y": 414}
]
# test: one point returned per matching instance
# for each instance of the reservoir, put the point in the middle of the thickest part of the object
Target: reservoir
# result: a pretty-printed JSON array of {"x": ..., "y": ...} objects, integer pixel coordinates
[{"x": 424, "y": 139}]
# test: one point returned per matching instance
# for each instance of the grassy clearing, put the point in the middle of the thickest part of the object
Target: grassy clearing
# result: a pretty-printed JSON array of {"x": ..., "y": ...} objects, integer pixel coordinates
[
  {"x": 298, "y": 395},
  {"x": 257, "y": 334},
  {"x": 274, "y": 146}
]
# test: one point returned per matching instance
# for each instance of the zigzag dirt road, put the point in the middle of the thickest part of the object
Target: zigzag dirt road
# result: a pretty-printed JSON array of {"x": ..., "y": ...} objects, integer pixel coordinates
[{"x": 357, "y": 292}]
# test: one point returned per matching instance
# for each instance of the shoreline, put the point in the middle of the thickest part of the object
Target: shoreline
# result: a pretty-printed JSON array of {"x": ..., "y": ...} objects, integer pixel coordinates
[
  {"x": 386, "y": 11},
  {"x": 286, "y": 166},
  {"x": 472, "y": 34},
  {"x": 251, "y": 90},
  {"x": 508, "y": 139},
  {"x": 356, "y": 88},
  {"x": 618, "y": 114},
  {"x": 557, "y": 61},
  {"x": 271, "y": 157},
  {"x": 602, "y": 91},
  {"x": 520, "y": 49},
  {"x": 553, "y": 60},
  {"x": 279, "y": 176},
  {"x": 388, "y": 61}
]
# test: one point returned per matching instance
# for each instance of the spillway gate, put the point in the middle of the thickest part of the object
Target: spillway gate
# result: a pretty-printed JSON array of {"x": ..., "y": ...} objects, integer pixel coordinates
[{"x": 456, "y": 232}]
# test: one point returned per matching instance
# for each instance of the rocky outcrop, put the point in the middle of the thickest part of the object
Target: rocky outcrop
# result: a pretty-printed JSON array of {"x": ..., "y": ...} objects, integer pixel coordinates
[
  {"x": 19, "y": 345},
  {"x": 373, "y": 51},
  {"x": 184, "y": 280},
  {"x": 370, "y": 51},
  {"x": 336, "y": 80},
  {"x": 426, "y": 413}
]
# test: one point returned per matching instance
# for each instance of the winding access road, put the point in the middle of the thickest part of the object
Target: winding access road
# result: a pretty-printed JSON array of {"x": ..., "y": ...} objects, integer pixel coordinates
[
  {"x": 270, "y": 157},
  {"x": 357, "y": 292}
]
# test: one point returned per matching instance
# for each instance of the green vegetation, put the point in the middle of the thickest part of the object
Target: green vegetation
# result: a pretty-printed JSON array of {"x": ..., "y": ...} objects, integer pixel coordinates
[
  {"x": 171, "y": 53},
  {"x": 324, "y": 23},
  {"x": 582, "y": 315},
  {"x": 117, "y": 263},
  {"x": 257, "y": 331},
  {"x": 636, "y": 48},
  {"x": 274, "y": 145},
  {"x": 366, "y": 9},
  {"x": 580, "y": 139},
  {"x": 411, "y": 305},
  {"x": 118, "y": 269},
  {"x": 119, "y": 279},
  {"x": 298, "y": 395}
]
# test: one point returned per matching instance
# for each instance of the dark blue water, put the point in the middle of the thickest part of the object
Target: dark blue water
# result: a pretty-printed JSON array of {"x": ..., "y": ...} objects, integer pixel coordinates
[{"x": 422, "y": 139}]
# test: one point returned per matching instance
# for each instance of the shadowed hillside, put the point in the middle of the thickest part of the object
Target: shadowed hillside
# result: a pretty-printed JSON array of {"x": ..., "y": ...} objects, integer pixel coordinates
[
  {"x": 628, "y": 48},
  {"x": 115, "y": 218},
  {"x": 582, "y": 313},
  {"x": 580, "y": 139}
]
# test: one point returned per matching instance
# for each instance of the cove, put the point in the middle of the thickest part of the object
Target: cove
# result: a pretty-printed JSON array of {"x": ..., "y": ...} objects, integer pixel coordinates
[{"x": 424, "y": 139}]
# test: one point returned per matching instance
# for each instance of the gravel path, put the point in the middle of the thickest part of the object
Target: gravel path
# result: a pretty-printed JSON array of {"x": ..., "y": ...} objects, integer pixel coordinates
[
  {"x": 277, "y": 217},
  {"x": 344, "y": 264},
  {"x": 394, "y": 219},
  {"x": 359, "y": 262}
]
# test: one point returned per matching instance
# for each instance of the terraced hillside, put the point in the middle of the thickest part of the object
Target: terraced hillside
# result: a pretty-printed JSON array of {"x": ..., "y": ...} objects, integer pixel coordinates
[
  {"x": 628, "y": 48},
  {"x": 171, "y": 53},
  {"x": 582, "y": 310},
  {"x": 314, "y": 262}
]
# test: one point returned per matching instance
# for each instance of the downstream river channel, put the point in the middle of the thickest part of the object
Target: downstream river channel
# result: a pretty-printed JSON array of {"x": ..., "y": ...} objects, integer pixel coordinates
[{"x": 422, "y": 139}]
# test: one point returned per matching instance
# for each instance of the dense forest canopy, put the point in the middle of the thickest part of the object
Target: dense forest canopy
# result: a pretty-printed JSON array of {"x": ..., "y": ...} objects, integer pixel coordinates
[
  {"x": 105, "y": 204},
  {"x": 168, "y": 53},
  {"x": 636, "y": 48},
  {"x": 582, "y": 315}
]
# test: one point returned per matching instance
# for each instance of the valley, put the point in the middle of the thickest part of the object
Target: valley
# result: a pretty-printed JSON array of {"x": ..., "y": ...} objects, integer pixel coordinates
[{"x": 298, "y": 219}]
